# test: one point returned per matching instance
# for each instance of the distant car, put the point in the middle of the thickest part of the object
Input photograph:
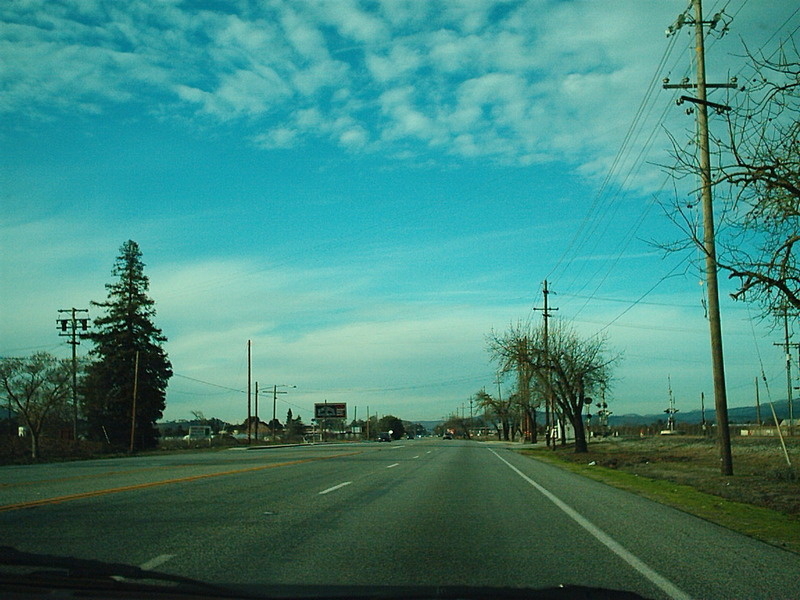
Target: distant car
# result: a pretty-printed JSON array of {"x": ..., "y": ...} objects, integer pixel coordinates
[
  {"x": 384, "y": 437},
  {"x": 447, "y": 436}
]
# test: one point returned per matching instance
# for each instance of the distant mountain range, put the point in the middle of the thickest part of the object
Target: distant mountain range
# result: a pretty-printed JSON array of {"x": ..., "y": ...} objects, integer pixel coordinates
[{"x": 738, "y": 416}]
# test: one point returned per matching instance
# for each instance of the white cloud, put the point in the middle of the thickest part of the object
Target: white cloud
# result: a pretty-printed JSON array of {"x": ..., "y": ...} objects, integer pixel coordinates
[
  {"x": 400, "y": 62},
  {"x": 352, "y": 22},
  {"x": 280, "y": 137},
  {"x": 414, "y": 75},
  {"x": 355, "y": 137}
]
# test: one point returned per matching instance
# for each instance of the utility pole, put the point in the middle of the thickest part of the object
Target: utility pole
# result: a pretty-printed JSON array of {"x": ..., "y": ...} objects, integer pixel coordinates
[
  {"x": 275, "y": 393},
  {"x": 758, "y": 405},
  {"x": 703, "y": 424},
  {"x": 69, "y": 328},
  {"x": 549, "y": 416},
  {"x": 133, "y": 408},
  {"x": 249, "y": 373},
  {"x": 709, "y": 243},
  {"x": 787, "y": 346},
  {"x": 788, "y": 353},
  {"x": 255, "y": 409}
]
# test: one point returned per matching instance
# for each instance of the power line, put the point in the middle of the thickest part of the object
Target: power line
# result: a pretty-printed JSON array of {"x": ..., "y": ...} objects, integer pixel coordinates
[
  {"x": 634, "y": 129},
  {"x": 216, "y": 385}
]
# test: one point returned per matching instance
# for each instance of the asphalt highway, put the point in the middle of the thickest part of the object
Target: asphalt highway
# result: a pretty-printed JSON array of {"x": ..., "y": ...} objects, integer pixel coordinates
[{"x": 416, "y": 512}]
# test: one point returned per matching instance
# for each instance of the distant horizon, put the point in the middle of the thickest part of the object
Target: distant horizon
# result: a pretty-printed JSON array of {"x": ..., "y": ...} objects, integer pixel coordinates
[{"x": 781, "y": 410}]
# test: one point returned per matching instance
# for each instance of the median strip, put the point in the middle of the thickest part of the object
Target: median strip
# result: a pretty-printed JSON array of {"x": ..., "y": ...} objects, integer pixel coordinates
[{"x": 141, "y": 486}]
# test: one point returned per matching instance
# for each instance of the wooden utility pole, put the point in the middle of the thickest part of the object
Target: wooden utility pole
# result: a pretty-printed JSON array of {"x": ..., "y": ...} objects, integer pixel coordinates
[
  {"x": 549, "y": 408},
  {"x": 275, "y": 393},
  {"x": 249, "y": 373},
  {"x": 709, "y": 244},
  {"x": 274, "y": 408},
  {"x": 69, "y": 328},
  {"x": 787, "y": 346},
  {"x": 758, "y": 405},
  {"x": 135, "y": 393}
]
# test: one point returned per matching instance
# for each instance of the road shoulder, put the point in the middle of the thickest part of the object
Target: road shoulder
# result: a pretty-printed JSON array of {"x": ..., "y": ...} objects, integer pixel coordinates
[{"x": 770, "y": 526}]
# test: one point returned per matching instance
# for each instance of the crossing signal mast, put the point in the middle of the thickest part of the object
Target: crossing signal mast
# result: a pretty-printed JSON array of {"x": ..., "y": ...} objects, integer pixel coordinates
[
  {"x": 702, "y": 104},
  {"x": 73, "y": 328},
  {"x": 671, "y": 410}
]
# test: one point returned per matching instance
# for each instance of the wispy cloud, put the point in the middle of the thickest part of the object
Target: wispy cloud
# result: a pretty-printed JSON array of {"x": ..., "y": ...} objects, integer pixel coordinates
[{"x": 417, "y": 75}]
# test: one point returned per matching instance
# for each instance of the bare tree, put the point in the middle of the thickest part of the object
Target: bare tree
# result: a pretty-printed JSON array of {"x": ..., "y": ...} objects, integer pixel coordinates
[
  {"x": 498, "y": 410},
  {"x": 515, "y": 354},
  {"x": 39, "y": 388},
  {"x": 580, "y": 366},
  {"x": 570, "y": 369},
  {"x": 756, "y": 176}
]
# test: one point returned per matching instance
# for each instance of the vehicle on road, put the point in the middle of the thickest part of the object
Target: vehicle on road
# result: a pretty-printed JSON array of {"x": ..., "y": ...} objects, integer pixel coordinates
[{"x": 384, "y": 436}]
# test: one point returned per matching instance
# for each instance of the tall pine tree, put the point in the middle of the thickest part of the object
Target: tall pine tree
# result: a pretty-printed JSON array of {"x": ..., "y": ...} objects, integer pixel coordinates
[{"x": 126, "y": 329}]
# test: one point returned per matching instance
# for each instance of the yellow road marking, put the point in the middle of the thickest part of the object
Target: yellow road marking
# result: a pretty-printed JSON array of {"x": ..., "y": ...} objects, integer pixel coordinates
[
  {"x": 91, "y": 475},
  {"x": 141, "y": 486}
]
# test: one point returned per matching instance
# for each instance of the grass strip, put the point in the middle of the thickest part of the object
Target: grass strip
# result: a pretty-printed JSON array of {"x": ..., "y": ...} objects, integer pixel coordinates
[{"x": 767, "y": 525}]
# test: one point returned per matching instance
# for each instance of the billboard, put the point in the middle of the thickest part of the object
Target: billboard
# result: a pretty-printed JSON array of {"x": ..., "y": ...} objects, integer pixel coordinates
[{"x": 330, "y": 411}]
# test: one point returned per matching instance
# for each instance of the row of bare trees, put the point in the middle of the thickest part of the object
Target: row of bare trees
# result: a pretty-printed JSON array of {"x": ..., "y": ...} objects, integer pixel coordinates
[{"x": 555, "y": 369}]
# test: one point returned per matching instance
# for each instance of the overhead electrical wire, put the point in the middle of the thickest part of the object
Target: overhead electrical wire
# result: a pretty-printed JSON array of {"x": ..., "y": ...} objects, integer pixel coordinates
[
  {"x": 605, "y": 218},
  {"x": 573, "y": 247}
]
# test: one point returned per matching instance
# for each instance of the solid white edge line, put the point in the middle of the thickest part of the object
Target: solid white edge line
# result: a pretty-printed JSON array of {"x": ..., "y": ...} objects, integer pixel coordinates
[
  {"x": 156, "y": 562},
  {"x": 664, "y": 584},
  {"x": 394, "y": 465},
  {"x": 336, "y": 487}
]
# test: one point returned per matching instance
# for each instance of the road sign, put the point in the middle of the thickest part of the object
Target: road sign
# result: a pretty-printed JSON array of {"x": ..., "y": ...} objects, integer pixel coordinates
[
  {"x": 330, "y": 411},
  {"x": 199, "y": 432}
]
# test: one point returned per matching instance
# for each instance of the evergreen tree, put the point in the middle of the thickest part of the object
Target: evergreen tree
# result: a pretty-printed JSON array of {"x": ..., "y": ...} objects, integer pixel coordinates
[{"x": 126, "y": 329}]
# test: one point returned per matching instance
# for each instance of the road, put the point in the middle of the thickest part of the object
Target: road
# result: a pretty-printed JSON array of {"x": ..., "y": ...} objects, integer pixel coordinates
[{"x": 417, "y": 512}]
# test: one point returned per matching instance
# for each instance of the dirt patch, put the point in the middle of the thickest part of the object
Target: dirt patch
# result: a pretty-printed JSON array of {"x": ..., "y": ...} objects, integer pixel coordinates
[{"x": 761, "y": 474}]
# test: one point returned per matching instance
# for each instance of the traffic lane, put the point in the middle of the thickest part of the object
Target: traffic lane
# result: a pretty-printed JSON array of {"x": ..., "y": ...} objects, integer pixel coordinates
[
  {"x": 699, "y": 557},
  {"x": 450, "y": 520},
  {"x": 416, "y": 507},
  {"x": 37, "y": 483},
  {"x": 187, "y": 517}
]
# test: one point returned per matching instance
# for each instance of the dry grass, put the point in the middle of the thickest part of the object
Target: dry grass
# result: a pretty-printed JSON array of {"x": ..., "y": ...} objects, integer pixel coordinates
[{"x": 761, "y": 474}]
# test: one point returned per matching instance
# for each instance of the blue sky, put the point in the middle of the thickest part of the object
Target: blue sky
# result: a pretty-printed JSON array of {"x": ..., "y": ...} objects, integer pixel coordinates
[{"x": 364, "y": 189}]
